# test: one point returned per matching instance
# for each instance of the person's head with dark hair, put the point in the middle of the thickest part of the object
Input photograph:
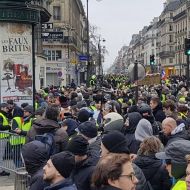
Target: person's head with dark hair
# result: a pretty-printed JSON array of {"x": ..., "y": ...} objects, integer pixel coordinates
[
  {"x": 169, "y": 107},
  {"x": 59, "y": 167},
  {"x": 154, "y": 102},
  {"x": 23, "y": 105},
  {"x": 52, "y": 112},
  {"x": 18, "y": 112},
  {"x": 114, "y": 142},
  {"x": 114, "y": 170},
  {"x": 78, "y": 145}
]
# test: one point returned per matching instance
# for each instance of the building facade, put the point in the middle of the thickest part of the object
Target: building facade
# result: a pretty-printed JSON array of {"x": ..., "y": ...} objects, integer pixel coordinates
[{"x": 63, "y": 42}]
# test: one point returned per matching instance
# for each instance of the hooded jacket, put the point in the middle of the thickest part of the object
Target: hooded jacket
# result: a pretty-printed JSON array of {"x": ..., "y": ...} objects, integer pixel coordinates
[
  {"x": 129, "y": 132},
  {"x": 179, "y": 133},
  {"x": 35, "y": 157},
  {"x": 143, "y": 130},
  {"x": 154, "y": 172},
  {"x": 82, "y": 173},
  {"x": 43, "y": 126}
]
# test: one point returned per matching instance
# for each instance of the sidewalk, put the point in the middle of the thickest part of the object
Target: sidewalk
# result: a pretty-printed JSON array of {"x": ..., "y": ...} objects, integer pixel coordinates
[{"x": 7, "y": 183}]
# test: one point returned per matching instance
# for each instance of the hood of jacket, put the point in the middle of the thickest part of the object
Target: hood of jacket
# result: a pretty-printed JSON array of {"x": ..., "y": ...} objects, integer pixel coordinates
[
  {"x": 143, "y": 130},
  {"x": 148, "y": 164},
  {"x": 45, "y": 125},
  {"x": 134, "y": 119},
  {"x": 35, "y": 156}
]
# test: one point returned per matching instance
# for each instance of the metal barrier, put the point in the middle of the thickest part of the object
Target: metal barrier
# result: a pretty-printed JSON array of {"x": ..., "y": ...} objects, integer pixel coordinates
[
  {"x": 21, "y": 180},
  {"x": 11, "y": 159}
]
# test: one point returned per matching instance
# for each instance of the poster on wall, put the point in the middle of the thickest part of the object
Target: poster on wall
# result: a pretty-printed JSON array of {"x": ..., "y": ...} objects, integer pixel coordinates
[{"x": 16, "y": 63}]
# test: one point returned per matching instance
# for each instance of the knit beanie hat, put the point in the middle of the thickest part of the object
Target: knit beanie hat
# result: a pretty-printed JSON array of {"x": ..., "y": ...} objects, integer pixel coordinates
[
  {"x": 83, "y": 115},
  {"x": 115, "y": 142},
  {"x": 78, "y": 145},
  {"x": 64, "y": 162}
]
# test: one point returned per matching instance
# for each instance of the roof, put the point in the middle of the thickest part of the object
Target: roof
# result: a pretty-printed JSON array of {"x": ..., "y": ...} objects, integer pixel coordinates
[{"x": 172, "y": 5}]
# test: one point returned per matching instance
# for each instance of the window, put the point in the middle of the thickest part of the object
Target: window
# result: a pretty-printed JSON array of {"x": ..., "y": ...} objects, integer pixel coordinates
[
  {"x": 171, "y": 48},
  {"x": 170, "y": 27},
  {"x": 170, "y": 38},
  {"x": 57, "y": 13},
  {"x": 171, "y": 60},
  {"x": 53, "y": 55}
]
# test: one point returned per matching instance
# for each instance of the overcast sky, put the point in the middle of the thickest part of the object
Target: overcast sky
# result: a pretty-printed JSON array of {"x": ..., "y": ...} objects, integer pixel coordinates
[{"x": 117, "y": 20}]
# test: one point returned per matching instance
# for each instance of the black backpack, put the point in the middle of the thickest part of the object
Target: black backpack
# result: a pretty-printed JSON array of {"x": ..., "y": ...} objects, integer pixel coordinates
[{"x": 49, "y": 141}]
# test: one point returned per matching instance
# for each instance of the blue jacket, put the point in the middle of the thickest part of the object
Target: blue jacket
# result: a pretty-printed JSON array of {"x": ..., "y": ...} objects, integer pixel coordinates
[{"x": 66, "y": 184}]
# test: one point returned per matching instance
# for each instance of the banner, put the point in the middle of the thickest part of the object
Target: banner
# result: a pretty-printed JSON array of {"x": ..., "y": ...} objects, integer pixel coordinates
[
  {"x": 16, "y": 62},
  {"x": 152, "y": 79}
]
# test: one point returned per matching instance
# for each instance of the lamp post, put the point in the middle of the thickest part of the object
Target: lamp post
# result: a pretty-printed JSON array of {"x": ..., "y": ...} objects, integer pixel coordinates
[
  {"x": 100, "y": 68},
  {"x": 69, "y": 29}
]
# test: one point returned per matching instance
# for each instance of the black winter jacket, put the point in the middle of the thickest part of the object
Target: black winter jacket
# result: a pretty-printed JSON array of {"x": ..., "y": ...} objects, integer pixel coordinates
[
  {"x": 141, "y": 178},
  {"x": 82, "y": 173},
  {"x": 154, "y": 171},
  {"x": 159, "y": 113},
  {"x": 66, "y": 184},
  {"x": 108, "y": 188},
  {"x": 42, "y": 126},
  {"x": 37, "y": 182}
]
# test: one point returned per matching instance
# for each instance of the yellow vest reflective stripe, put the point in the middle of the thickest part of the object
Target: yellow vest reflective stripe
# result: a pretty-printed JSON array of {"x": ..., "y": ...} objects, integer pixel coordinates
[
  {"x": 16, "y": 139},
  {"x": 5, "y": 123},
  {"x": 93, "y": 108},
  {"x": 182, "y": 115},
  {"x": 180, "y": 185}
]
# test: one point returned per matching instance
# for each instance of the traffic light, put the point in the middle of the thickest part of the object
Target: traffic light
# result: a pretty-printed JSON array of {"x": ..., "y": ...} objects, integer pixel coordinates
[
  {"x": 152, "y": 60},
  {"x": 187, "y": 46}
]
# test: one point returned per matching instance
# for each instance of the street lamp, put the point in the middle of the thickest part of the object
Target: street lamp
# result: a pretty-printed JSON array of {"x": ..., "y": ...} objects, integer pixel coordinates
[
  {"x": 100, "y": 68},
  {"x": 88, "y": 44},
  {"x": 69, "y": 29}
]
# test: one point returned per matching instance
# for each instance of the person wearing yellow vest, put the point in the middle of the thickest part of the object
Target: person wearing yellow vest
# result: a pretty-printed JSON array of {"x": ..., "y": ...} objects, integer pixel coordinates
[
  {"x": 28, "y": 118},
  {"x": 187, "y": 179},
  {"x": 15, "y": 140},
  {"x": 4, "y": 127}
]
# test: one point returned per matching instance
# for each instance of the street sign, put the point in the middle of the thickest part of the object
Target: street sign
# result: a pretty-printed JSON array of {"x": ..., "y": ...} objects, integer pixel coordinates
[
  {"x": 47, "y": 26},
  {"x": 52, "y": 35},
  {"x": 83, "y": 57}
]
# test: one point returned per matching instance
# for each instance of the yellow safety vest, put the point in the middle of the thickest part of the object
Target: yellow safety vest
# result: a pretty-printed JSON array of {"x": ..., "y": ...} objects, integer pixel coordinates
[
  {"x": 36, "y": 105},
  {"x": 5, "y": 123},
  {"x": 17, "y": 139},
  {"x": 163, "y": 98},
  {"x": 180, "y": 185}
]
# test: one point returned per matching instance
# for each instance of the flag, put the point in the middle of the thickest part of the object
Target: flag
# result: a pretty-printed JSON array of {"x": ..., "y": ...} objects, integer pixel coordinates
[{"x": 163, "y": 74}]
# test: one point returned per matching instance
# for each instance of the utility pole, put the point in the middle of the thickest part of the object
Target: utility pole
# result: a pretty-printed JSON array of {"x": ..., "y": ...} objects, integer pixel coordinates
[
  {"x": 88, "y": 47},
  {"x": 136, "y": 80}
]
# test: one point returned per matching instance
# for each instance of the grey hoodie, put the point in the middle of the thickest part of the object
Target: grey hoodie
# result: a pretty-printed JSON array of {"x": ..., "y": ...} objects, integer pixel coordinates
[{"x": 143, "y": 130}]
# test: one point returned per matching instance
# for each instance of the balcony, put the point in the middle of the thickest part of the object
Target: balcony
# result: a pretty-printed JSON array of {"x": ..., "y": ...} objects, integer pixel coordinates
[
  {"x": 180, "y": 15},
  {"x": 166, "y": 54}
]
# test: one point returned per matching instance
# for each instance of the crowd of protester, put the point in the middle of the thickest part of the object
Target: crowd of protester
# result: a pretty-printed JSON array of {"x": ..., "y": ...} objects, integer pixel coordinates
[{"x": 102, "y": 138}]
